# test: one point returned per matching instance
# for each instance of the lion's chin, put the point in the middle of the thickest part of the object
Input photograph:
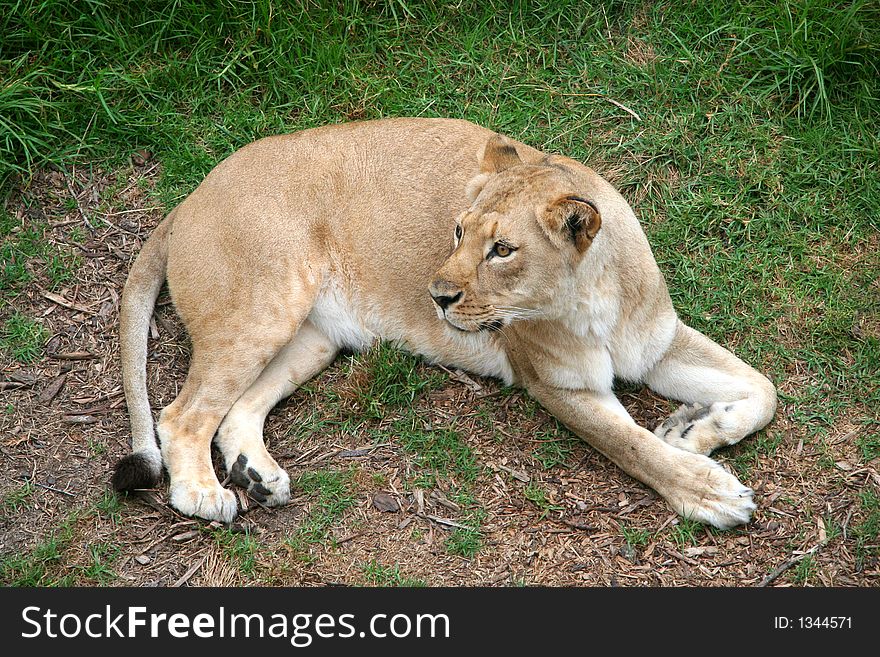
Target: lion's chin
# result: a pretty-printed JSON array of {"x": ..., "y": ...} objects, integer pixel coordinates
[{"x": 459, "y": 327}]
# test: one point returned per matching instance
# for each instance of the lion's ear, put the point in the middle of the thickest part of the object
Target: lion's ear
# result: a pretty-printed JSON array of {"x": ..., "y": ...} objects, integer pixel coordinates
[
  {"x": 499, "y": 154},
  {"x": 576, "y": 218},
  {"x": 475, "y": 186},
  {"x": 496, "y": 155}
]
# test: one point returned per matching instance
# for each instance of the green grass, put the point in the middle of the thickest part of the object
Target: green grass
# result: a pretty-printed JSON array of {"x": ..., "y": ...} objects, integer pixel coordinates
[
  {"x": 867, "y": 531},
  {"x": 375, "y": 574},
  {"x": 332, "y": 493},
  {"x": 390, "y": 379},
  {"x": 18, "y": 499},
  {"x": 35, "y": 568},
  {"x": 442, "y": 458},
  {"x": 97, "y": 446},
  {"x": 686, "y": 532},
  {"x": 44, "y": 564},
  {"x": 23, "y": 338},
  {"x": 869, "y": 442},
  {"x": 464, "y": 542},
  {"x": 53, "y": 560},
  {"x": 379, "y": 398},
  {"x": 753, "y": 167},
  {"x": 110, "y": 507},
  {"x": 101, "y": 559},
  {"x": 832, "y": 529},
  {"x": 240, "y": 548},
  {"x": 635, "y": 537},
  {"x": 439, "y": 453},
  {"x": 379, "y": 382},
  {"x": 60, "y": 268},
  {"x": 747, "y": 454},
  {"x": 537, "y": 495},
  {"x": 555, "y": 447},
  {"x": 804, "y": 570},
  {"x": 27, "y": 254},
  {"x": 467, "y": 541},
  {"x": 19, "y": 245},
  {"x": 807, "y": 51}
]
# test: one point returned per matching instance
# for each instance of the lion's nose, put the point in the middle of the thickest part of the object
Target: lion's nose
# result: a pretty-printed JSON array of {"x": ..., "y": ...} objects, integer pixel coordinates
[
  {"x": 444, "y": 300},
  {"x": 445, "y": 294}
]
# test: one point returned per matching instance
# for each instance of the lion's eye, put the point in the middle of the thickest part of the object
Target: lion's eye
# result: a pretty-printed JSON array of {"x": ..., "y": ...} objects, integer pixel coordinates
[
  {"x": 458, "y": 232},
  {"x": 501, "y": 250}
]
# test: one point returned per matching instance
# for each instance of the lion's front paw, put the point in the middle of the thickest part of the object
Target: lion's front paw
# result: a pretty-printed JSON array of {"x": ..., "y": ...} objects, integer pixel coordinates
[
  {"x": 704, "y": 491},
  {"x": 209, "y": 501},
  {"x": 263, "y": 479}
]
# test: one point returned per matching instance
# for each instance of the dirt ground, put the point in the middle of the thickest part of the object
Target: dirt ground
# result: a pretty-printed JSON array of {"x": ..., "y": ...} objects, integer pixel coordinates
[{"x": 65, "y": 425}]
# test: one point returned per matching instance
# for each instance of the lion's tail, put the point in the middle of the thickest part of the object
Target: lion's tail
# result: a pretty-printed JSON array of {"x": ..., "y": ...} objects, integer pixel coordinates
[{"x": 143, "y": 467}]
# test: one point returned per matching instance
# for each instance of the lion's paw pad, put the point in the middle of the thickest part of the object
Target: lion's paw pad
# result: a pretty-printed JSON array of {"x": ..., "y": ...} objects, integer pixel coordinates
[
  {"x": 695, "y": 427},
  {"x": 268, "y": 484}
]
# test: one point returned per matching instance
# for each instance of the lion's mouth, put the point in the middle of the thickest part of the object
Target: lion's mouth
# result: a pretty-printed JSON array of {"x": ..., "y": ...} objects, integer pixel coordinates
[{"x": 491, "y": 325}]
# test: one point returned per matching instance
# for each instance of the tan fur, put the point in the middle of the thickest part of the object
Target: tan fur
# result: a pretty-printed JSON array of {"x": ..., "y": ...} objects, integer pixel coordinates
[{"x": 299, "y": 245}]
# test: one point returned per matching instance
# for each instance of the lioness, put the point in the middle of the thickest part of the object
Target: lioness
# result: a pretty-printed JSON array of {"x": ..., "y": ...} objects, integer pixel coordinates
[{"x": 463, "y": 246}]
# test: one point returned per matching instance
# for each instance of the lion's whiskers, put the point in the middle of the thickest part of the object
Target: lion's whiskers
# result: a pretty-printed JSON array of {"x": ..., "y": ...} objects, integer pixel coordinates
[{"x": 515, "y": 312}]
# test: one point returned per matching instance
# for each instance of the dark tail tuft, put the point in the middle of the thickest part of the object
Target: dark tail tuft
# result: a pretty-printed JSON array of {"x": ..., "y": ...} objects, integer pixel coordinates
[{"x": 137, "y": 470}]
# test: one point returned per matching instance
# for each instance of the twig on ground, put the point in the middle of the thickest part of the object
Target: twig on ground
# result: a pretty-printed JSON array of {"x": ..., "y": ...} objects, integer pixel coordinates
[
  {"x": 678, "y": 555},
  {"x": 346, "y": 539},
  {"x": 78, "y": 204},
  {"x": 74, "y": 355},
  {"x": 61, "y": 301},
  {"x": 189, "y": 573},
  {"x": 579, "y": 525},
  {"x": 51, "y": 488},
  {"x": 623, "y": 107},
  {"x": 788, "y": 564},
  {"x": 447, "y": 521}
]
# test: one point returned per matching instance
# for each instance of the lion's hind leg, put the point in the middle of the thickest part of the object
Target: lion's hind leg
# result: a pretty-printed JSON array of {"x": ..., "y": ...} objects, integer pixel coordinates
[
  {"x": 230, "y": 351},
  {"x": 725, "y": 399},
  {"x": 187, "y": 425},
  {"x": 240, "y": 437}
]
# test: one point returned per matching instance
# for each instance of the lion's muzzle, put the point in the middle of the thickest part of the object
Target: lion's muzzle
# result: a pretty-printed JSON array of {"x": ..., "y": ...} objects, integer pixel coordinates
[{"x": 445, "y": 294}]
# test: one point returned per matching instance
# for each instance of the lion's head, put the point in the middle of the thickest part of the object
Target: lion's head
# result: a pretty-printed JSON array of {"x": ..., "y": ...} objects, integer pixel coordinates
[{"x": 516, "y": 245}]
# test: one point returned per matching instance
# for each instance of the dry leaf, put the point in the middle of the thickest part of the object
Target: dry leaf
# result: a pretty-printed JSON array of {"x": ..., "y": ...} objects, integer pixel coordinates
[
  {"x": 823, "y": 534},
  {"x": 385, "y": 502}
]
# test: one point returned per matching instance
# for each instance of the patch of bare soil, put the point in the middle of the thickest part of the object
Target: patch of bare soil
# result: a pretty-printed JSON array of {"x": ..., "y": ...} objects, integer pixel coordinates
[{"x": 579, "y": 522}]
